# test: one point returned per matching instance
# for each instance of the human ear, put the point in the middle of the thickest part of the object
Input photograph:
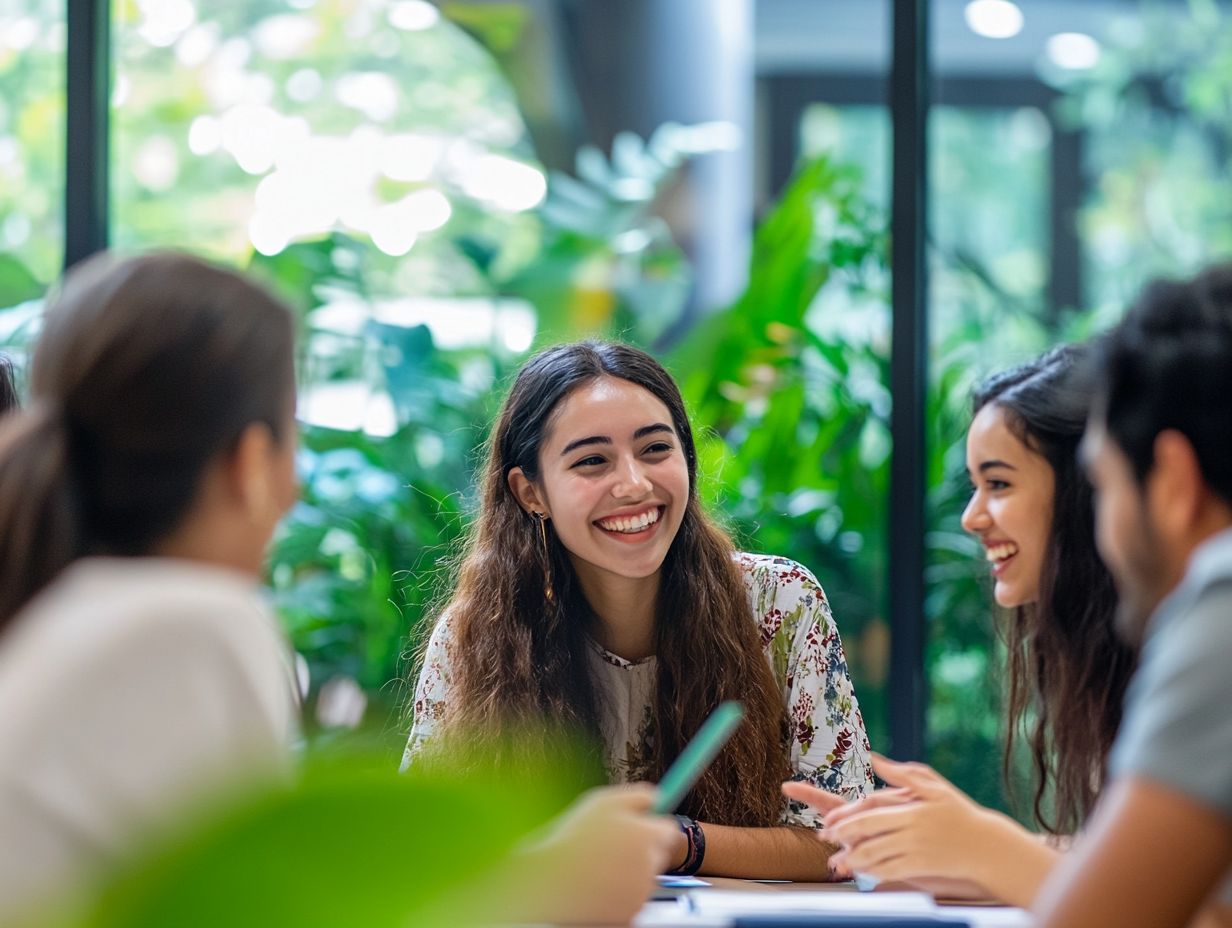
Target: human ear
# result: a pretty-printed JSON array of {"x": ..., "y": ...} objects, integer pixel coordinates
[
  {"x": 1174, "y": 486},
  {"x": 251, "y": 471},
  {"x": 526, "y": 493}
]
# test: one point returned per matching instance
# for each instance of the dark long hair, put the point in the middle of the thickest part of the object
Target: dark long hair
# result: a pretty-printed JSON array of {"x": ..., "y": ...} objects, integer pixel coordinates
[
  {"x": 1066, "y": 663},
  {"x": 8, "y": 387},
  {"x": 146, "y": 370},
  {"x": 520, "y": 658}
]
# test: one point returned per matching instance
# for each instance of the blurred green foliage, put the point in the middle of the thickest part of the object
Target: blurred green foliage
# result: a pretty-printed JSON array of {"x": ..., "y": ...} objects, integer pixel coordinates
[
  {"x": 348, "y": 841},
  {"x": 792, "y": 418},
  {"x": 1157, "y": 110}
]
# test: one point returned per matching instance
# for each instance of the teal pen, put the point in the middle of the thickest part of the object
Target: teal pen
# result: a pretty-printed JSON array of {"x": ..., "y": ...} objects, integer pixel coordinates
[{"x": 697, "y": 755}]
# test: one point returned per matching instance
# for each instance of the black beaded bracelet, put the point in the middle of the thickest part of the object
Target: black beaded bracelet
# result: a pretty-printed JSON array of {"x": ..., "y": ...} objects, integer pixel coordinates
[{"x": 696, "y": 839}]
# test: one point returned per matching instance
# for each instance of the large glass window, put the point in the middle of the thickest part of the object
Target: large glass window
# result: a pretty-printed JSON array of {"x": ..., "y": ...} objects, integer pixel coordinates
[
  {"x": 369, "y": 160},
  {"x": 1074, "y": 150},
  {"x": 248, "y": 128},
  {"x": 439, "y": 188},
  {"x": 826, "y": 143}
]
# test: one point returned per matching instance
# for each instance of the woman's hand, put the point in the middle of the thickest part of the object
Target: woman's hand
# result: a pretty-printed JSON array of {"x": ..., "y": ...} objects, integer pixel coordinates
[
  {"x": 923, "y": 827},
  {"x": 923, "y": 830},
  {"x": 834, "y": 806},
  {"x": 823, "y": 802},
  {"x": 599, "y": 861}
]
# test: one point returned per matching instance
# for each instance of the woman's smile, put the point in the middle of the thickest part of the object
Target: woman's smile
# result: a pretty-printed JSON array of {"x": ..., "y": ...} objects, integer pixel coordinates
[
  {"x": 632, "y": 527},
  {"x": 1000, "y": 554}
]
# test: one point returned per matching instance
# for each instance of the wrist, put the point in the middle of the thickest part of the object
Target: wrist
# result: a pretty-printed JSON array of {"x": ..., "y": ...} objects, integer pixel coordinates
[
  {"x": 680, "y": 851},
  {"x": 1005, "y": 868},
  {"x": 695, "y": 846},
  {"x": 993, "y": 843}
]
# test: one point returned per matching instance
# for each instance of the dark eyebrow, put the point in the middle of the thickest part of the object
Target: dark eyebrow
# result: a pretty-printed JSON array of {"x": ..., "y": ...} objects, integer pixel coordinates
[
  {"x": 592, "y": 440},
  {"x": 652, "y": 429},
  {"x": 605, "y": 440},
  {"x": 989, "y": 465}
]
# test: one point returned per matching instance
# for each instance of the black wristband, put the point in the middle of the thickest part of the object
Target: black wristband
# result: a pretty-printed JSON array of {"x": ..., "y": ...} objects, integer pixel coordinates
[{"x": 696, "y": 839}]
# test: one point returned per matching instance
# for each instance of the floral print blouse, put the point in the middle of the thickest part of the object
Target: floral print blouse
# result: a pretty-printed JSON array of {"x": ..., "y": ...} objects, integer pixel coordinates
[{"x": 829, "y": 745}]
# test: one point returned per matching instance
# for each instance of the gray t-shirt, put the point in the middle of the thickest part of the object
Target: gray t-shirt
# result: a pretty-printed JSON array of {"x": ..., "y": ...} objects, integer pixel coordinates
[{"x": 1177, "y": 726}]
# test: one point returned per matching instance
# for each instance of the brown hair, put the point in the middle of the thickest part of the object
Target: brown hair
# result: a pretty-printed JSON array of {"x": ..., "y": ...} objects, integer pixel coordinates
[
  {"x": 521, "y": 658},
  {"x": 8, "y": 387},
  {"x": 1066, "y": 663},
  {"x": 146, "y": 370}
]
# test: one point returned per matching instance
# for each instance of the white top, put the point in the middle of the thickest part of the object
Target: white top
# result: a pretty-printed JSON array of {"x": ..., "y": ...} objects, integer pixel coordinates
[{"x": 126, "y": 687}]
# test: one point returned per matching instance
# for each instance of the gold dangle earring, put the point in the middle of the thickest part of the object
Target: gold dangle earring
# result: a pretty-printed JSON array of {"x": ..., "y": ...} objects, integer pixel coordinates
[{"x": 548, "y": 593}]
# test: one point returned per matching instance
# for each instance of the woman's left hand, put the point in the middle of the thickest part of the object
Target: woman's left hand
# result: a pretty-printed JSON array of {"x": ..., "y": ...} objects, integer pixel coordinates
[
  {"x": 922, "y": 827},
  {"x": 828, "y": 803}
]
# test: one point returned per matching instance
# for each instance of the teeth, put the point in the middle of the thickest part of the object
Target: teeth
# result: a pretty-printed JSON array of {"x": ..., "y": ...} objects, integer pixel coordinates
[
  {"x": 629, "y": 526},
  {"x": 1001, "y": 552}
]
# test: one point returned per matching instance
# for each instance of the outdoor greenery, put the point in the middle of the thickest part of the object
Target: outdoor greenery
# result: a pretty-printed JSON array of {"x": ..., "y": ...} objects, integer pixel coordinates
[
  {"x": 1158, "y": 111},
  {"x": 310, "y": 176}
]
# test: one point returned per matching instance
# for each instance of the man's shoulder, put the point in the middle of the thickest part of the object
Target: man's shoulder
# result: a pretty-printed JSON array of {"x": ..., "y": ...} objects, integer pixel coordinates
[{"x": 1207, "y": 580}]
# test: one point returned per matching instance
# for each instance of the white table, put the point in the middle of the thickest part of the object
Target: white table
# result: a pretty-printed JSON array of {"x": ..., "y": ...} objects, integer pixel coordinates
[{"x": 718, "y": 902}]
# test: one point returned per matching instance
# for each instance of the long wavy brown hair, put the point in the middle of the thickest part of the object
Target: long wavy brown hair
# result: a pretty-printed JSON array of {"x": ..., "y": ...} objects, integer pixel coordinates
[
  {"x": 1068, "y": 669},
  {"x": 519, "y": 658}
]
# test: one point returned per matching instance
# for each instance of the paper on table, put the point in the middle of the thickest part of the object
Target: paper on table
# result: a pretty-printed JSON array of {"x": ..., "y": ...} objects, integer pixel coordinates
[
  {"x": 989, "y": 916},
  {"x": 865, "y": 882},
  {"x": 831, "y": 903},
  {"x": 680, "y": 882},
  {"x": 671, "y": 915}
]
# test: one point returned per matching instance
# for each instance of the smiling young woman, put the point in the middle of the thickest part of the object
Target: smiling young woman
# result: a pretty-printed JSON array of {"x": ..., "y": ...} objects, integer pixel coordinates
[
  {"x": 1031, "y": 508},
  {"x": 596, "y": 594}
]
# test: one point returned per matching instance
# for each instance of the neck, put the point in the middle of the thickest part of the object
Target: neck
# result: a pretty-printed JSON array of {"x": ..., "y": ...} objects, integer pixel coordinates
[
  {"x": 1176, "y": 551},
  {"x": 209, "y": 541},
  {"x": 625, "y": 608},
  {"x": 1215, "y": 519}
]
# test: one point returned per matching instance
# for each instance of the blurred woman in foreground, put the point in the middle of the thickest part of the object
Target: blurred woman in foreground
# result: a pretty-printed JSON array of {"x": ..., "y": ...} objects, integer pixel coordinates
[{"x": 138, "y": 662}]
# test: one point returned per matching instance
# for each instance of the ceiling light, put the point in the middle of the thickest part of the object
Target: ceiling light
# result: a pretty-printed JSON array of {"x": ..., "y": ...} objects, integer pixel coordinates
[
  {"x": 1074, "y": 51},
  {"x": 993, "y": 19}
]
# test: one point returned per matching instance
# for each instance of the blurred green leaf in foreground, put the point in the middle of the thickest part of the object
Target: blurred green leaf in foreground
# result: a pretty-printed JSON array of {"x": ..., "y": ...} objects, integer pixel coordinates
[{"x": 350, "y": 842}]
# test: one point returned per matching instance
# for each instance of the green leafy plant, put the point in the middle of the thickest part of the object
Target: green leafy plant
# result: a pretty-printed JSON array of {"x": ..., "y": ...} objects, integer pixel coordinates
[
  {"x": 792, "y": 416},
  {"x": 349, "y": 841}
]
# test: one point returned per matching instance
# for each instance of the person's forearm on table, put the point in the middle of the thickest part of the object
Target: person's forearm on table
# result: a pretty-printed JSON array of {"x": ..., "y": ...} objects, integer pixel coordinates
[
  {"x": 1011, "y": 863},
  {"x": 780, "y": 853}
]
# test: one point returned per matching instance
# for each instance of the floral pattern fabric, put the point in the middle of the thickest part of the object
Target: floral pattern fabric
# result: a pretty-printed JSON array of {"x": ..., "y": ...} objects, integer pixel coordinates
[{"x": 829, "y": 746}]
